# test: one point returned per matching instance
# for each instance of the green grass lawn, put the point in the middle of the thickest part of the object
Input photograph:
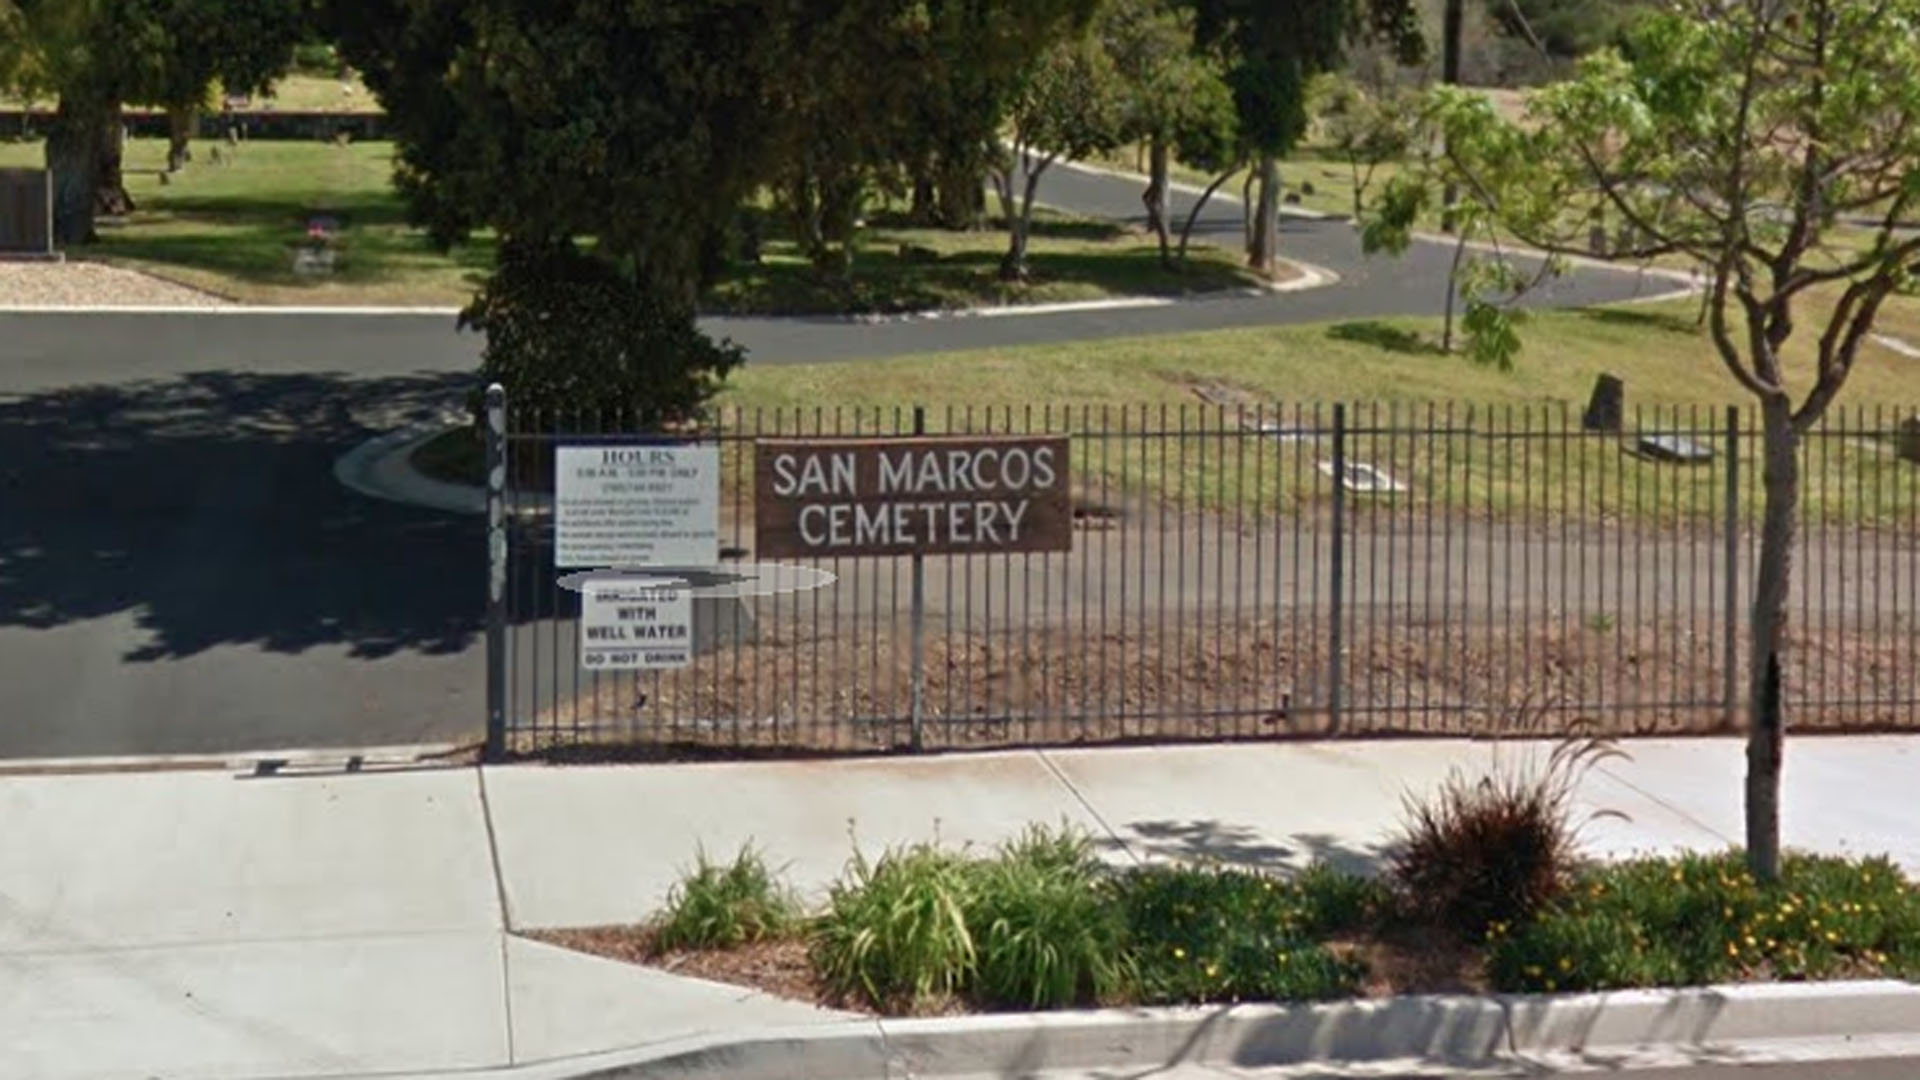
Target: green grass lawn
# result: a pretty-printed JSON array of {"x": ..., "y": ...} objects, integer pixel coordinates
[
  {"x": 295, "y": 93},
  {"x": 231, "y": 229},
  {"x": 1401, "y": 382},
  {"x": 1070, "y": 258}
]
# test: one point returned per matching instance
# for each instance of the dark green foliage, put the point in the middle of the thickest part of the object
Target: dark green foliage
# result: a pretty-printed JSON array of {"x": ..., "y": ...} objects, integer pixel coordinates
[
  {"x": 571, "y": 330},
  {"x": 1568, "y": 29},
  {"x": 1493, "y": 850},
  {"x": 725, "y": 906},
  {"x": 1702, "y": 919},
  {"x": 1204, "y": 935}
]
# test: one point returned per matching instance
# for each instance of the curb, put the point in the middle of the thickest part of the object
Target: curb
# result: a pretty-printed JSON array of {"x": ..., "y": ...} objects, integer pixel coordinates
[
  {"x": 382, "y": 468},
  {"x": 353, "y": 758},
  {"x": 1911, "y": 352},
  {"x": 1185, "y": 188},
  {"x": 1647, "y": 1028}
]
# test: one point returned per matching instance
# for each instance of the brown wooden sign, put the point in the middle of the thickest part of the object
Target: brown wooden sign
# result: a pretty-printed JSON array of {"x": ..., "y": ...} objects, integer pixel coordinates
[{"x": 936, "y": 495}]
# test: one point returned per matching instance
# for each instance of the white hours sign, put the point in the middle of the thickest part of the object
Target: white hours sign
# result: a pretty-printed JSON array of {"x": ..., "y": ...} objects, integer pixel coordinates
[{"x": 636, "y": 505}]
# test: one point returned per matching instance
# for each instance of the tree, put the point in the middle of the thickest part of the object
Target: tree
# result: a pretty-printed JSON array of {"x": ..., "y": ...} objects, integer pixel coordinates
[
  {"x": 846, "y": 135},
  {"x": 607, "y": 145},
  {"x": 1740, "y": 134},
  {"x": 1368, "y": 127},
  {"x": 98, "y": 55},
  {"x": 1069, "y": 105},
  {"x": 1271, "y": 51},
  {"x": 972, "y": 57},
  {"x": 1171, "y": 95}
]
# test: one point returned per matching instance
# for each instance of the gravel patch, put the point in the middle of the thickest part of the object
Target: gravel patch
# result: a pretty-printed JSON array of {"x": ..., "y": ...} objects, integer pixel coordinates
[{"x": 69, "y": 284}]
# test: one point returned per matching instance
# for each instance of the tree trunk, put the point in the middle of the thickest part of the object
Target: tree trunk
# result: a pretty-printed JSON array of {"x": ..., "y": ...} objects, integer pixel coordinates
[
  {"x": 922, "y": 211},
  {"x": 1156, "y": 198},
  {"x": 839, "y": 211},
  {"x": 1193, "y": 215},
  {"x": 1452, "y": 21},
  {"x": 181, "y": 121},
  {"x": 111, "y": 198},
  {"x": 73, "y": 157},
  {"x": 960, "y": 196},
  {"x": 1013, "y": 265},
  {"x": 1766, "y": 724},
  {"x": 1453, "y": 291},
  {"x": 1246, "y": 207},
  {"x": 1266, "y": 219}
]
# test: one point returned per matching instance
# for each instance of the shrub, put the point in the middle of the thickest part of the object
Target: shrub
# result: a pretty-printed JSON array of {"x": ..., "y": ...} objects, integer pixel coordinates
[
  {"x": 1333, "y": 901},
  {"x": 895, "y": 932},
  {"x": 1203, "y": 935},
  {"x": 570, "y": 330},
  {"x": 1047, "y": 934},
  {"x": 723, "y": 907},
  {"x": 1702, "y": 919},
  {"x": 1495, "y": 850}
]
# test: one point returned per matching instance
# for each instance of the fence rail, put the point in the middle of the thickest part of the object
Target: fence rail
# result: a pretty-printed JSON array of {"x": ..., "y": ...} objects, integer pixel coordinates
[{"x": 1482, "y": 570}]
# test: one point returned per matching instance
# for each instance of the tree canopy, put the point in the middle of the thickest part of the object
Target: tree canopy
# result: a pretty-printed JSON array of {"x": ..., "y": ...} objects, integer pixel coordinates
[{"x": 1774, "y": 144}]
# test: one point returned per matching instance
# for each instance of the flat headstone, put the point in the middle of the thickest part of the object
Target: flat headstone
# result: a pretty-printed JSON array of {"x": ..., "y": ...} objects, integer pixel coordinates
[
  {"x": 1676, "y": 448},
  {"x": 1606, "y": 409},
  {"x": 1364, "y": 479}
]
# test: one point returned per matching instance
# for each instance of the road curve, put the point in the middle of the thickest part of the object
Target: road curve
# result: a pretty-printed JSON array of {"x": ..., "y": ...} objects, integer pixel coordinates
[{"x": 180, "y": 573}]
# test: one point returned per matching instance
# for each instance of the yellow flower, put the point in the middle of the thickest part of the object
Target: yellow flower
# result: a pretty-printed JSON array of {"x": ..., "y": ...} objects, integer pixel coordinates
[
  {"x": 1813, "y": 924},
  {"x": 1750, "y": 942},
  {"x": 1770, "y": 943},
  {"x": 1732, "y": 949},
  {"x": 1532, "y": 970},
  {"x": 1212, "y": 970},
  {"x": 1831, "y": 936},
  {"x": 1550, "y": 986},
  {"x": 1566, "y": 965},
  {"x": 1179, "y": 953},
  {"x": 1726, "y": 913}
]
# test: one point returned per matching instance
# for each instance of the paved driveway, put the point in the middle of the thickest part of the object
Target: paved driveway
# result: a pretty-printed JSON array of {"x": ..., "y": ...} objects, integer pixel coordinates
[{"x": 179, "y": 572}]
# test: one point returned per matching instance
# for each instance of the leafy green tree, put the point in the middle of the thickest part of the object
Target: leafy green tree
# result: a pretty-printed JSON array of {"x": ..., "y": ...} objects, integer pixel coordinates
[
  {"x": 846, "y": 136},
  {"x": 97, "y": 55},
  {"x": 1172, "y": 95},
  {"x": 973, "y": 57},
  {"x": 1270, "y": 52},
  {"x": 610, "y": 144},
  {"x": 1368, "y": 127},
  {"x": 1069, "y": 105},
  {"x": 1743, "y": 135}
]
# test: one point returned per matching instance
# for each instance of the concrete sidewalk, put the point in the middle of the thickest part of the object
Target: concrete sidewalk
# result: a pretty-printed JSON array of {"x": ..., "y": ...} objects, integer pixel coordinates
[{"x": 202, "y": 924}]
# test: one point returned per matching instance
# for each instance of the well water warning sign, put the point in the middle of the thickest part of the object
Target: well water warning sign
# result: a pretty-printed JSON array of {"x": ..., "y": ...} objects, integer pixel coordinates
[{"x": 624, "y": 625}]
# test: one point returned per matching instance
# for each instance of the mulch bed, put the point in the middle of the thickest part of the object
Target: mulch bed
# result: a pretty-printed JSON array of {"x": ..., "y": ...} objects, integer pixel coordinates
[
  {"x": 779, "y": 968},
  {"x": 1401, "y": 961}
]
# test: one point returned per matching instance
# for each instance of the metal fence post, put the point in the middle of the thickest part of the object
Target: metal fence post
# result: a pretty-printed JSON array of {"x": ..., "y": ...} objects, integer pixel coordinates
[
  {"x": 496, "y": 433},
  {"x": 917, "y": 682},
  {"x": 1339, "y": 570},
  {"x": 1731, "y": 629}
]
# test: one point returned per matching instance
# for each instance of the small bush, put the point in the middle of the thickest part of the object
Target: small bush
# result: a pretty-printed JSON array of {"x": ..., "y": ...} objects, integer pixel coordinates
[
  {"x": 1202, "y": 935},
  {"x": 895, "y": 933},
  {"x": 1332, "y": 901},
  {"x": 1047, "y": 935},
  {"x": 1702, "y": 919},
  {"x": 724, "y": 907},
  {"x": 1495, "y": 850}
]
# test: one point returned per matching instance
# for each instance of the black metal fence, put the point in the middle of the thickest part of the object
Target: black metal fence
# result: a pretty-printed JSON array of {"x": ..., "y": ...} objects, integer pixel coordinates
[{"x": 1480, "y": 570}]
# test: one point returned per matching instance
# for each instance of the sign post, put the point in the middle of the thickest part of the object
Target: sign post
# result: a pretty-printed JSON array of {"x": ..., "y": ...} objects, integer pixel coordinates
[{"x": 918, "y": 496}]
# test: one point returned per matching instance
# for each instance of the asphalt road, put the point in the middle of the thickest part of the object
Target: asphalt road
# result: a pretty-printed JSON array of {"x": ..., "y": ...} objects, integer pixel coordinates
[{"x": 180, "y": 573}]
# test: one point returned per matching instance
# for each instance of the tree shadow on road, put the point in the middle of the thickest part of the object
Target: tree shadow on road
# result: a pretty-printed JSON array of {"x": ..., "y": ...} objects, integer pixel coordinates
[{"x": 207, "y": 506}]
